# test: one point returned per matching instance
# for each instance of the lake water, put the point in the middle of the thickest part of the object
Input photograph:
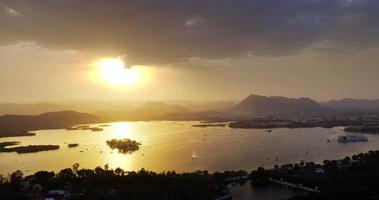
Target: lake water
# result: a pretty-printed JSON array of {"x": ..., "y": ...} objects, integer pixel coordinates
[
  {"x": 267, "y": 192},
  {"x": 169, "y": 145}
]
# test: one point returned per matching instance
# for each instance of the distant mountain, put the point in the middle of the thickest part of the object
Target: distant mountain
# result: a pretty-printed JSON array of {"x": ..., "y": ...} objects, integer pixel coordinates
[
  {"x": 210, "y": 106},
  {"x": 50, "y": 120},
  {"x": 354, "y": 105},
  {"x": 144, "y": 111},
  {"x": 279, "y": 105},
  {"x": 30, "y": 109}
]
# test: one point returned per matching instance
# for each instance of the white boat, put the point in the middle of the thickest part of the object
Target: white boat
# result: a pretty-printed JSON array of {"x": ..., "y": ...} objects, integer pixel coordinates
[
  {"x": 352, "y": 138},
  {"x": 194, "y": 156}
]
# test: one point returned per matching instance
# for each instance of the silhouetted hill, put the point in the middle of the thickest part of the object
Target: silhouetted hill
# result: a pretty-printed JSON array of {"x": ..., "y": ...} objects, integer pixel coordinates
[
  {"x": 31, "y": 109},
  {"x": 354, "y": 105},
  {"x": 20, "y": 123},
  {"x": 270, "y": 105}
]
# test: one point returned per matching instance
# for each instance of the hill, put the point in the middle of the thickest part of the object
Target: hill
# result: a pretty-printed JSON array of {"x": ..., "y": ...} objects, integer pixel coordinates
[
  {"x": 354, "y": 105},
  {"x": 279, "y": 105},
  {"x": 13, "y": 125},
  {"x": 31, "y": 109}
]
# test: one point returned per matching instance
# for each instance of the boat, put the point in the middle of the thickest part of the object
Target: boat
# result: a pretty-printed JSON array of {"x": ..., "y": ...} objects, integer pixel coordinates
[
  {"x": 194, "y": 156},
  {"x": 352, "y": 138}
]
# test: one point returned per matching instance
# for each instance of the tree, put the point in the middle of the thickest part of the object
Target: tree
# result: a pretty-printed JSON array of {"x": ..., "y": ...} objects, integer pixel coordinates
[
  {"x": 16, "y": 178},
  {"x": 99, "y": 171},
  {"x": 119, "y": 171},
  {"x": 66, "y": 174},
  {"x": 75, "y": 167},
  {"x": 43, "y": 177},
  {"x": 85, "y": 173}
]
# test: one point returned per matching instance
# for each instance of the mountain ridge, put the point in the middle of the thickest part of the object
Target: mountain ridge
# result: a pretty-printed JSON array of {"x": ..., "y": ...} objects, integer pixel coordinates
[
  {"x": 13, "y": 124},
  {"x": 259, "y": 104}
]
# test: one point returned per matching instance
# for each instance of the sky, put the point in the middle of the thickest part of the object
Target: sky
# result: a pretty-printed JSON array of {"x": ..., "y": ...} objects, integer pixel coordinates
[{"x": 190, "y": 50}]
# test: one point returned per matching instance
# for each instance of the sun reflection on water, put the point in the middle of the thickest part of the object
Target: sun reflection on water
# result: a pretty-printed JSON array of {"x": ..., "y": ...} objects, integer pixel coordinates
[{"x": 122, "y": 130}]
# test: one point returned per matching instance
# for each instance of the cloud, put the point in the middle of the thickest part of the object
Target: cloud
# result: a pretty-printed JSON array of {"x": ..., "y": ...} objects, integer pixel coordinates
[
  {"x": 170, "y": 31},
  {"x": 12, "y": 12}
]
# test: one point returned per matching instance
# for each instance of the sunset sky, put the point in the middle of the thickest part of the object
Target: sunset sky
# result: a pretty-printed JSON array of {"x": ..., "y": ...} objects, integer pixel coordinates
[{"x": 187, "y": 50}]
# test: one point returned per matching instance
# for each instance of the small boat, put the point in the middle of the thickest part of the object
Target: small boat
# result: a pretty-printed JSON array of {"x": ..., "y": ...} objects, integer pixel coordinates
[
  {"x": 352, "y": 138},
  {"x": 194, "y": 156}
]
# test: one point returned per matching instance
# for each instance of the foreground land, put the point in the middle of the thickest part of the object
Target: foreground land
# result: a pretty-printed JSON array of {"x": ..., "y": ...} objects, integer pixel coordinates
[
  {"x": 105, "y": 183},
  {"x": 350, "y": 178}
]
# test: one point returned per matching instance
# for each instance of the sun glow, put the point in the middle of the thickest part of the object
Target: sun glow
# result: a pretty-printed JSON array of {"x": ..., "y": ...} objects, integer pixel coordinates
[
  {"x": 113, "y": 72},
  {"x": 122, "y": 130}
]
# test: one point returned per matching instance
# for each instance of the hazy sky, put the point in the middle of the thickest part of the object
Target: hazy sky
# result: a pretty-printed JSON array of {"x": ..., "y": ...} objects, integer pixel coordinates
[{"x": 198, "y": 49}]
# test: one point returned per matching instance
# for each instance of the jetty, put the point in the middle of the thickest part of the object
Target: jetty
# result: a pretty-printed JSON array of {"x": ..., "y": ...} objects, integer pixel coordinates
[{"x": 297, "y": 186}]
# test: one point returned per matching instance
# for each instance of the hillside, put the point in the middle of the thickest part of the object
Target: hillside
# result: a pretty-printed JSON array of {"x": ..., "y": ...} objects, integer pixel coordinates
[
  {"x": 31, "y": 109},
  {"x": 273, "y": 105},
  {"x": 17, "y": 124},
  {"x": 354, "y": 105}
]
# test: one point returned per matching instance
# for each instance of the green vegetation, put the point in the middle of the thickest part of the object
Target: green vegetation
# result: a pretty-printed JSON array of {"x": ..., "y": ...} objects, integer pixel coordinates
[
  {"x": 349, "y": 178},
  {"x": 105, "y": 183},
  {"x": 84, "y": 127},
  {"x": 5, "y": 144},
  {"x": 72, "y": 145},
  {"x": 30, "y": 148},
  {"x": 4, "y": 147},
  {"x": 19, "y": 125},
  {"x": 363, "y": 129},
  {"x": 15, "y": 133},
  {"x": 205, "y": 125},
  {"x": 124, "y": 145}
]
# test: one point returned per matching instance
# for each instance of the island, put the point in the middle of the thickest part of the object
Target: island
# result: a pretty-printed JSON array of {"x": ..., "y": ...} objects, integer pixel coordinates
[
  {"x": 125, "y": 146},
  {"x": 5, "y": 144},
  {"x": 84, "y": 127},
  {"x": 72, "y": 145},
  {"x": 15, "y": 133},
  {"x": 362, "y": 129},
  {"x": 206, "y": 124},
  {"x": 5, "y": 147}
]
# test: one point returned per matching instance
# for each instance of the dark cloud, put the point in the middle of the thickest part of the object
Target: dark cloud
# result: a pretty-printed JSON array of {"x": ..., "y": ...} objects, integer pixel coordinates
[{"x": 167, "y": 31}]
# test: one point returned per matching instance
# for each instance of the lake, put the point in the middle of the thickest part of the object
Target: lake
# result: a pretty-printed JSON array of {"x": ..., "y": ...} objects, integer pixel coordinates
[{"x": 168, "y": 145}]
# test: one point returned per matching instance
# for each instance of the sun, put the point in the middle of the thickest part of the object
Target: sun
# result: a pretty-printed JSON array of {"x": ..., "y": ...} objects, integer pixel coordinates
[{"x": 114, "y": 72}]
